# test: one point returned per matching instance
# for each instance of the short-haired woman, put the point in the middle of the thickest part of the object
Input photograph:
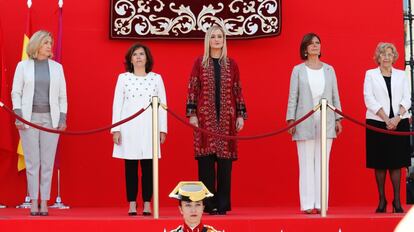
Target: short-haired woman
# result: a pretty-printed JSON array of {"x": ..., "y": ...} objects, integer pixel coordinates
[
  {"x": 39, "y": 96},
  {"x": 310, "y": 82},
  {"x": 387, "y": 98},
  {"x": 133, "y": 140}
]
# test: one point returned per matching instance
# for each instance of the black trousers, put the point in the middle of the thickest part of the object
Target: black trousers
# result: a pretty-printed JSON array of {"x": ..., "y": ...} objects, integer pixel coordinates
[
  {"x": 207, "y": 174},
  {"x": 131, "y": 177}
]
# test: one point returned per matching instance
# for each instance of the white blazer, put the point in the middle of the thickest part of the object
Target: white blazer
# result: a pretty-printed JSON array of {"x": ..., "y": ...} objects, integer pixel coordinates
[
  {"x": 131, "y": 94},
  {"x": 23, "y": 90},
  {"x": 376, "y": 93}
]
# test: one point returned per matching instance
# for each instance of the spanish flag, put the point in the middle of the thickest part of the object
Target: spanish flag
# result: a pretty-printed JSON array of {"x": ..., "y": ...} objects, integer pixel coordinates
[{"x": 20, "y": 162}]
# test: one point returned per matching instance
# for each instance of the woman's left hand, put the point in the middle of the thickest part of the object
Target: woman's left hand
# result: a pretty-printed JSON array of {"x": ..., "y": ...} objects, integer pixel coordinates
[
  {"x": 239, "y": 124},
  {"x": 394, "y": 121},
  {"x": 338, "y": 127},
  {"x": 62, "y": 127},
  {"x": 163, "y": 136}
]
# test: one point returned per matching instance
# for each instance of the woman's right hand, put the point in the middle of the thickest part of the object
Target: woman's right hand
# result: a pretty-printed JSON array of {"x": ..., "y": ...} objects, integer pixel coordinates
[
  {"x": 293, "y": 129},
  {"x": 194, "y": 121},
  {"x": 117, "y": 137},
  {"x": 20, "y": 126}
]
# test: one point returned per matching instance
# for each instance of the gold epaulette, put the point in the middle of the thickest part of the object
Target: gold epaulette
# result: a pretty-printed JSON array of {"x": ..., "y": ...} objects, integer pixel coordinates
[{"x": 211, "y": 229}]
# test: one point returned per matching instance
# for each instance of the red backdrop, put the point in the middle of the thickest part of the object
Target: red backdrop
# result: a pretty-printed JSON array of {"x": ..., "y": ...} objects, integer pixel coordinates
[{"x": 266, "y": 173}]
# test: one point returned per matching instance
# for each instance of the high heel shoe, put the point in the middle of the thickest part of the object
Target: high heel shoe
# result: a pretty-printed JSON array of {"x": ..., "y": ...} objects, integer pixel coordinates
[
  {"x": 382, "y": 208},
  {"x": 397, "y": 209}
]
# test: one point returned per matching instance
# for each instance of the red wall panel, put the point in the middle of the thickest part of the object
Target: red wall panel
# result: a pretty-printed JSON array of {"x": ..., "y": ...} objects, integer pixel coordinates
[{"x": 266, "y": 173}]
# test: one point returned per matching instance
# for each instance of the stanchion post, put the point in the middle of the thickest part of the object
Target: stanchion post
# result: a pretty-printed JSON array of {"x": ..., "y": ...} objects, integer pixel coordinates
[
  {"x": 58, "y": 203},
  {"x": 324, "y": 159},
  {"x": 155, "y": 144}
]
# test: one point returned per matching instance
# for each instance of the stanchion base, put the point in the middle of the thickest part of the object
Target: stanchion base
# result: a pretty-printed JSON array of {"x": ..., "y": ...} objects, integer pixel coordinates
[
  {"x": 24, "y": 205},
  {"x": 3, "y": 206},
  {"x": 59, "y": 205}
]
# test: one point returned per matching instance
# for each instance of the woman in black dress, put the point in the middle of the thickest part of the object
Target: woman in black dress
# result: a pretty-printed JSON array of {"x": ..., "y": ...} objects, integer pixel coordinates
[{"x": 387, "y": 98}]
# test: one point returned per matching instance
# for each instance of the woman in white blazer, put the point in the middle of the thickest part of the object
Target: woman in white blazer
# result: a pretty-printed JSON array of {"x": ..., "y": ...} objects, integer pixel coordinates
[
  {"x": 39, "y": 96},
  {"x": 133, "y": 140},
  {"x": 310, "y": 82},
  {"x": 387, "y": 98}
]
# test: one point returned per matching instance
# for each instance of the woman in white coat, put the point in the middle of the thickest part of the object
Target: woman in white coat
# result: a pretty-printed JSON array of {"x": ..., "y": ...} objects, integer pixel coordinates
[
  {"x": 39, "y": 96},
  {"x": 133, "y": 140},
  {"x": 310, "y": 82},
  {"x": 387, "y": 98}
]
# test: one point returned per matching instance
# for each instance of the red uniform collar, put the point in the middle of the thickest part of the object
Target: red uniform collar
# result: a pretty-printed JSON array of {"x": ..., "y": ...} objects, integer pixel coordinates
[{"x": 198, "y": 228}]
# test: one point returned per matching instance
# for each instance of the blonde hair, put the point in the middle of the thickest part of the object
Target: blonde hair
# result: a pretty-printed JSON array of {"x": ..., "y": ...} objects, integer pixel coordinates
[
  {"x": 36, "y": 42},
  {"x": 381, "y": 47},
  {"x": 206, "y": 56}
]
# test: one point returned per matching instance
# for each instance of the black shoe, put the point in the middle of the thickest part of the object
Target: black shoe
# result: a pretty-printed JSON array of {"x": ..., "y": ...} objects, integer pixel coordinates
[
  {"x": 381, "y": 208},
  {"x": 146, "y": 213},
  {"x": 212, "y": 212},
  {"x": 397, "y": 209},
  {"x": 43, "y": 213},
  {"x": 34, "y": 214},
  {"x": 222, "y": 212},
  {"x": 132, "y": 213}
]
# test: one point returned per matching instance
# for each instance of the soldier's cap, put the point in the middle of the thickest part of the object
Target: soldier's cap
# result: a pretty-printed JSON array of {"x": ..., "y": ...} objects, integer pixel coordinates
[{"x": 190, "y": 191}]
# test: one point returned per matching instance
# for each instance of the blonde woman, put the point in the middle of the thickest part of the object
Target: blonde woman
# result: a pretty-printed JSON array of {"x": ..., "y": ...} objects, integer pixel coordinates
[
  {"x": 39, "y": 96},
  {"x": 215, "y": 103},
  {"x": 387, "y": 98}
]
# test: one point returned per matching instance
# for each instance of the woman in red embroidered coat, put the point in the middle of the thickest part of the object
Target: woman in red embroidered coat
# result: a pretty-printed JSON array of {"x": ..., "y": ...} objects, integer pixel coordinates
[{"x": 215, "y": 103}]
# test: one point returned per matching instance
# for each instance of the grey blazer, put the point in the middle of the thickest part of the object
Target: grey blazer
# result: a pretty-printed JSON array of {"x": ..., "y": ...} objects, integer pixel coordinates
[{"x": 300, "y": 101}]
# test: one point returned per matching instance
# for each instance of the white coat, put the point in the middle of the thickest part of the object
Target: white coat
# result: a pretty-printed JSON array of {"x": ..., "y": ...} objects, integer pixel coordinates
[
  {"x": 131, "y": 94},
  {"x": 23, "y": 90},
  {"x": 376, "y": 93}
]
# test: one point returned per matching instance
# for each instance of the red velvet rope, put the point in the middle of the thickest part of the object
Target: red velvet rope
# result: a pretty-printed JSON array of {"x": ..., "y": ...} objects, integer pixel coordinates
[
  {"x": 230, "y": 137},
  {"x": 390, "y": 132},
  {"x": 11, "y": 112}
]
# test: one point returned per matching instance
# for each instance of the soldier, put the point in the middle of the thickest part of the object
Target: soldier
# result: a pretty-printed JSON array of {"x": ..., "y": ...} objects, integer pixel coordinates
[{"x": 190, "y": 195}]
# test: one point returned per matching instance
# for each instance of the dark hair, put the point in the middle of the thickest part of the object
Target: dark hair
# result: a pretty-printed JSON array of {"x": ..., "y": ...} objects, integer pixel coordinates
[
  {"x": 129, "y": 67},
  {"x": 307, "y": 39},
  {"x": 186, "y": 200}
]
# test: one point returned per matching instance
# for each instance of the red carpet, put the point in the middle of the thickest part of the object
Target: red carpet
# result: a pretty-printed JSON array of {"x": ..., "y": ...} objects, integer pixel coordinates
[{"x": 240, "y": 219}]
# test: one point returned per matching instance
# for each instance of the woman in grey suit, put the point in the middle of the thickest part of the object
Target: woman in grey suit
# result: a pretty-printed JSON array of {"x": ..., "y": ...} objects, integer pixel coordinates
[
  {"x": 39, "y": 96},
  {"x": 311, "y": 81}
]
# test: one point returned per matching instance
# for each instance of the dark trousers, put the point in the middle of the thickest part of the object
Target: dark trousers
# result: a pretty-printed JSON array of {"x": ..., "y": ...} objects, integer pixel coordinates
[
  {"x": 131, "y": 176},
  {"x": 207, "y": 175}
]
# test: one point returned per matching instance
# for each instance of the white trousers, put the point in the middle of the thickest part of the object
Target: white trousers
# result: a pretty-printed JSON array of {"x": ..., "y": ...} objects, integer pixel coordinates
[
  {"x": 309, "y": 154},
  {"x": 39, "y": 150}
]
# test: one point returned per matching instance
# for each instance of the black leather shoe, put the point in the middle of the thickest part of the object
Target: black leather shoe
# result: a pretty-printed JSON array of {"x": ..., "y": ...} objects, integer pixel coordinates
[
  {"x": 381, "y": 208},
  {"x": 43, "y": 213},
  {"x": 397, "y": 208},
  {"x": 222, "y": 212},
  {"x": 34, "y": 214},
  {"x": 146, "y": 213},
  {"x": 132, "y": 213}
]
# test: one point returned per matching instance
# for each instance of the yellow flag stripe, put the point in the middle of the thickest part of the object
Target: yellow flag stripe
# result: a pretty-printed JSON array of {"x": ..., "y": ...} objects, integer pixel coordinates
[{"x": 20, "y": 162}]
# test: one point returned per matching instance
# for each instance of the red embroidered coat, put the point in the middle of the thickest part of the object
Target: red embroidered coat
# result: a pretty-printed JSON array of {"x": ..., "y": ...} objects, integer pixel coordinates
[{"x": 201, "y": 103}]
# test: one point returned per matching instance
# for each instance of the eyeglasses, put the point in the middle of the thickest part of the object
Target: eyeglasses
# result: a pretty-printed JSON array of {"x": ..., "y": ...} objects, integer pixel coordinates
[{"x": 384, "y": 55}]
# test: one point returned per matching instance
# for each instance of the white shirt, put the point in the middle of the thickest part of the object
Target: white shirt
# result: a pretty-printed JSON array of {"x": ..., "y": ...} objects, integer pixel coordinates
[{"x": 316, "y": 80}]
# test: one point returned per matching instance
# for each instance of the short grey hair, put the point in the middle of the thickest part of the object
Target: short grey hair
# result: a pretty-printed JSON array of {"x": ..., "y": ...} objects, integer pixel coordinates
[
  {"x": 381, "y": 47},
  {"x": 36, "y": 41}
]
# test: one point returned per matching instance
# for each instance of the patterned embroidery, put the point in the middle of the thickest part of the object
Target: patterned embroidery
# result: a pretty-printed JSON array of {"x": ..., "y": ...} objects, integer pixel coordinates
[{"x": 201, "y": 103}]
